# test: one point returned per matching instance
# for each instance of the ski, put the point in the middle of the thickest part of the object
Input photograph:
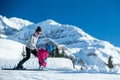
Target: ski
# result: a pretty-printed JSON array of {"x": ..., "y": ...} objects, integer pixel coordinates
[{"x": 24, "y": 69}]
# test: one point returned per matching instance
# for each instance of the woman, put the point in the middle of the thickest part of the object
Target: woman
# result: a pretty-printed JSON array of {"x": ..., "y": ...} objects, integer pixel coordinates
[{"x": 30, "y": 48}]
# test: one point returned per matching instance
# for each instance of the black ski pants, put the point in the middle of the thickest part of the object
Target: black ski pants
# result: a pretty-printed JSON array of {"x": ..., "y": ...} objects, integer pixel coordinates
[{"x": 28, "y": 54}]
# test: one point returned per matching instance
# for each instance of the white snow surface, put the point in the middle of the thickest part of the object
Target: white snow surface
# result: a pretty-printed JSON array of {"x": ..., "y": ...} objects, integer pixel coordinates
[
  {"x": 55, "y": 75},
  {"x": 10, "y": 49}
]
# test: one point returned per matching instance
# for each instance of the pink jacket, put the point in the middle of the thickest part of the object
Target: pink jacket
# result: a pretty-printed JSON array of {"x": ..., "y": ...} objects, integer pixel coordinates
[{"x": 42, "y": 55}]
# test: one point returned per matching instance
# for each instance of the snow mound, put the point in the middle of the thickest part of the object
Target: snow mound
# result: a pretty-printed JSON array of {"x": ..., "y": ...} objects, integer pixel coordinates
[{"x": 10, "y": 49}]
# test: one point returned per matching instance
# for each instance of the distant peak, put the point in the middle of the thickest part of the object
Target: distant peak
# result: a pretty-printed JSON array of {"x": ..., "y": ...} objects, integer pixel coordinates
[
  {"x": 52, "y": 22},
  {"x": 2, "y": 17}
]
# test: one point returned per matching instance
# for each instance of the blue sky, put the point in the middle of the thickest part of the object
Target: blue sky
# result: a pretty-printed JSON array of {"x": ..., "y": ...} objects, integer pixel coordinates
[{"x": 99, "y": 18}]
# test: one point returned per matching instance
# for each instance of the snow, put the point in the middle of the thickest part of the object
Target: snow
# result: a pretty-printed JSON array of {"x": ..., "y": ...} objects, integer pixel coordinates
[
  {"x": 58, "y": 68},
  {"x": 14, "y": 22},
  {"x": 3, "y": 36},
  {"x": 10, "y": 49},
  {"x": 32, "y": 63},
  {"x": 55, "y": 75},
  {"x": 89, "y": 54},
  {"x": 9, "y": 26}
]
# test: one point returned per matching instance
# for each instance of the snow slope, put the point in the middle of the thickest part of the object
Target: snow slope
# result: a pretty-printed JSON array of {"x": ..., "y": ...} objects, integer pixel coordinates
[{"x": 10, "y": 49}]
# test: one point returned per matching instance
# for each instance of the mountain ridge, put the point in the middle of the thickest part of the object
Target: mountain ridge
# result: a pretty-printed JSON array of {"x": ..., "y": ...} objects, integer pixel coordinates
[{"x": 10, "y": 25}]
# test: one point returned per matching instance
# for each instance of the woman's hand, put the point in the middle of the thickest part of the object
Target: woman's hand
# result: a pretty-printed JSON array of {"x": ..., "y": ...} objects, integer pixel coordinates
[{"x": 36, "y": 49}]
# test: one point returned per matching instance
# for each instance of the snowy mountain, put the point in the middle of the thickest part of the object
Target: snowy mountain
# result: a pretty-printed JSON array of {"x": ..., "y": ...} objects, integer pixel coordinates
[
  {"x": 9, "y": 26},
  {"x": 87, "y": 52}
]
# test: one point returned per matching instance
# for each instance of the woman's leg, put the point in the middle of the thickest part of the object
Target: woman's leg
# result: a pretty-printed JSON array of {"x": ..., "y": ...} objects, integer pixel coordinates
[
  {"x": 34, "y": 52},
  {"x": 28, "y": 51}
]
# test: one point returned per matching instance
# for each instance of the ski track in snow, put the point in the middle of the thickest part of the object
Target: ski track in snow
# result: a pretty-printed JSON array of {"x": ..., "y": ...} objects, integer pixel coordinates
[{"x": 54, "y": 75}]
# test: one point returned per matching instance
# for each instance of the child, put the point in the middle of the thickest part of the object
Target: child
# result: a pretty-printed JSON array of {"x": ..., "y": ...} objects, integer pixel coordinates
[{"x": 43, "y": 55}]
